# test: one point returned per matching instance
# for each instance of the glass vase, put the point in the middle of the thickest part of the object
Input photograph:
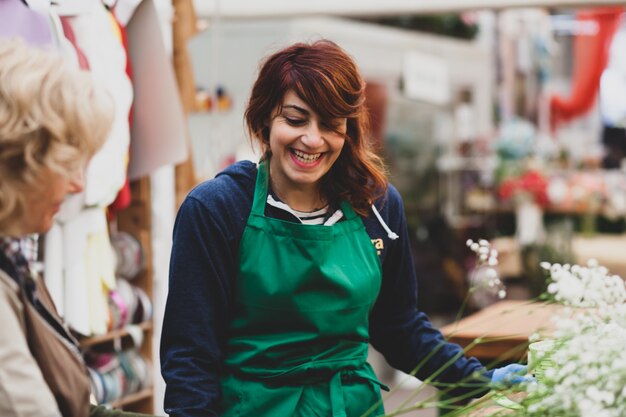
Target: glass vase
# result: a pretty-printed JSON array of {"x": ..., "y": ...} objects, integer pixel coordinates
[{"x": 529, "y": 223}]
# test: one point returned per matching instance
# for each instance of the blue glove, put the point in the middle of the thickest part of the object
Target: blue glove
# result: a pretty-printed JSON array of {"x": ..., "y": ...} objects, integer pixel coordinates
[{"x": 510, "y": 375}]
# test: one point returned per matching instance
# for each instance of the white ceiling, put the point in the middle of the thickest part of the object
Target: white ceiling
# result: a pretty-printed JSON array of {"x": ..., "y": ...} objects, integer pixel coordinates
[{"x": 241, "y": 9}]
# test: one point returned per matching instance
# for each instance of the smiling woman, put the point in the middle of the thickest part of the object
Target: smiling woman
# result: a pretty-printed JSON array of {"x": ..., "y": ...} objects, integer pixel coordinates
[
  {"x": 276, "y": 288},
  {"x": 322, "y": 90}
]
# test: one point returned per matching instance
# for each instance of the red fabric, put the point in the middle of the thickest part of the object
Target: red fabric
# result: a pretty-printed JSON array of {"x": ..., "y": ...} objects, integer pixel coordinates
[
  {"x": 123, "y": 198},
  {"x": 68, "y": 32},
  {"x": 591, "y": 53}
]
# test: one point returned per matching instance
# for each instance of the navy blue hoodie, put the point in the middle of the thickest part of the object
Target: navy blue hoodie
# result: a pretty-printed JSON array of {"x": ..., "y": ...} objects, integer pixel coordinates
[{"x": 204, "y": 264}]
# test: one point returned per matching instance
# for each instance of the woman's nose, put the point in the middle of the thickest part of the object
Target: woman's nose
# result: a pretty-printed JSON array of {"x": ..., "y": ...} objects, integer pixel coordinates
[
  {"x": 313, "y": 136},
  {"x": 77, "y": 181}
]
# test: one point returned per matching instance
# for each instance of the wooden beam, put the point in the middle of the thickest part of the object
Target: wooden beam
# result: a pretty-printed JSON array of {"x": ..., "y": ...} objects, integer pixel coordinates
[{"x": 184, "y": 27}]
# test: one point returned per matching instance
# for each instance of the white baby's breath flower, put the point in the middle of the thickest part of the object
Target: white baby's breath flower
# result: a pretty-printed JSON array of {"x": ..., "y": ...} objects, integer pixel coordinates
[
  {"x": 588, "y": 372},
  {"x": 553, "y": 288},
  {"x": 485, "y": 284},
  {"x": 578, "y": 286}
]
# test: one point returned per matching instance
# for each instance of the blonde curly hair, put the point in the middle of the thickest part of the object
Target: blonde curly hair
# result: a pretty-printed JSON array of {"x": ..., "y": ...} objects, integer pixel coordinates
[{"x": 52, "y": 116}]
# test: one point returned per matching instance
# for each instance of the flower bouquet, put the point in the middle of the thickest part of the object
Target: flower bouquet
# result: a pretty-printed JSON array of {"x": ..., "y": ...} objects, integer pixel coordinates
[{"x": 581, "y": 369}]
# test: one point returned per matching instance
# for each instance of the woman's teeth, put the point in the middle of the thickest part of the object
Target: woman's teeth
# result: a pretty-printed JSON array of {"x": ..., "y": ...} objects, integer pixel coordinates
[{"x": 306, "y": 158}]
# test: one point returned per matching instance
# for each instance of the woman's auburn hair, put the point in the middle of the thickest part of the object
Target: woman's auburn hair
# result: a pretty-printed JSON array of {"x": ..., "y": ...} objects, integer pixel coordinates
[
  {"x": 325, "y": 77},
  {"x": 52, "y": 117}
]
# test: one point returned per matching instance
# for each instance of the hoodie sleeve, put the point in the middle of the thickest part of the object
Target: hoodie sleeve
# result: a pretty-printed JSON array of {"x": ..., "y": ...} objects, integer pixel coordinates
[
  {"x": 203, "y": 266},
  {"x": 403, "y": 334}
]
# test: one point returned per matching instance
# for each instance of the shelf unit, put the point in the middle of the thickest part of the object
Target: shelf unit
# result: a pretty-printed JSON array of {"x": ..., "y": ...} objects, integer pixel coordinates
[
  {"x": 132, "y": 401},
  {"x": 113, "y": 336},
  {"x": 135, "y": 220}
]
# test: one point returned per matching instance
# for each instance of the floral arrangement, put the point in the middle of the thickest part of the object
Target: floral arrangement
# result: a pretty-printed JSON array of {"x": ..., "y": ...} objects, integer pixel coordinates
[
  {"x": 582, "y": 373},
  {"x": 529, "y": 186},
  {"x": 588, "y": 372},
  {"x": 586, "y": 375}
]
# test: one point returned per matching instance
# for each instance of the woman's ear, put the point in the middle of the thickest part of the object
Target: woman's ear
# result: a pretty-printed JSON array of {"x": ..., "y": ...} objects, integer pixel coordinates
[{"x": 265, "y": 135}]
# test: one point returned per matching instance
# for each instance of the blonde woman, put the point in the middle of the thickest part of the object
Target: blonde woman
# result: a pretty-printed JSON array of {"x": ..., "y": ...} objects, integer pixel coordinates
[{"x": 53, "y": 118}]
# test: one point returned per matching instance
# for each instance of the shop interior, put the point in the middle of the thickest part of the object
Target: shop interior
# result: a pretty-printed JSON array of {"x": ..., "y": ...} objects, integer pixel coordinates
[{"x": 498, "y": 119}]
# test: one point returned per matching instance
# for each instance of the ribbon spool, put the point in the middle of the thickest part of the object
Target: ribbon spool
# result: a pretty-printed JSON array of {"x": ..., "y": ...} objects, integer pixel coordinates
[
  {"x": 130, "y": 259},
  {"x": 102, "y": 362},
  {"x": 122, "y": 374},
  {"x": 125, "y": 291},
  {"x": 119, "y": 310},
  {"x": 144, "y": 307},
  {"x": 128, "y": 304},
  {"x": 97, "y": 386}
]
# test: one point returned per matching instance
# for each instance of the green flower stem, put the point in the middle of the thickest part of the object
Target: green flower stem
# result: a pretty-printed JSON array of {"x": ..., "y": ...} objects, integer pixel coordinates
[
  {"x": 451, "y": 403},
  {"x": 430, "y": 402}
]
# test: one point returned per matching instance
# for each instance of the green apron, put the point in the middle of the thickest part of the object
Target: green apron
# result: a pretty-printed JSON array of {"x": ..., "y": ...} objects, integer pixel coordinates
[{"x": 298, "y": 341}]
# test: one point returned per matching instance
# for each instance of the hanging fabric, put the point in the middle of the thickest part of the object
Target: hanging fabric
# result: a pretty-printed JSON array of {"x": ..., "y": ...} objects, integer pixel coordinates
[
  {"x": 591, "y": 51},
  {"x": 99, "y": 38},
  {"x": 17, "y": 19},
  {"x": 124, "y": 195}
]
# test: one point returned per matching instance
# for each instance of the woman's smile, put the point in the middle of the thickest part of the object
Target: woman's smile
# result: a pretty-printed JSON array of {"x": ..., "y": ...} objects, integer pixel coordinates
[{"x": 304, "y": 158}]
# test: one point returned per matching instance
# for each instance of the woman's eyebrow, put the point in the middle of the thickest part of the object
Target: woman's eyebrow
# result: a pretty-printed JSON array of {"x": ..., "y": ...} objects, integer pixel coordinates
[{"x": 297, "y": 108}]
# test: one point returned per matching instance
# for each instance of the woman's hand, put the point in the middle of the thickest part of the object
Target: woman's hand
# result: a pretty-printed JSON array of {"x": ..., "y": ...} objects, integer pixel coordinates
[{"x": 510, "y": 375}]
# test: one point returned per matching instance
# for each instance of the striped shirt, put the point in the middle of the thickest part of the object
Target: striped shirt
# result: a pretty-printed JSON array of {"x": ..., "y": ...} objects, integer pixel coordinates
[{"x": 317, "y": 217}]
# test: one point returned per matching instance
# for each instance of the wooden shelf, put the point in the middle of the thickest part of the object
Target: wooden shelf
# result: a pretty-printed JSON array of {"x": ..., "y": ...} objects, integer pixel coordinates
[
  {"x": 111, "y": 336},
  {"x": 137, "y": 220},
  {"x": 136, "y": 397}
]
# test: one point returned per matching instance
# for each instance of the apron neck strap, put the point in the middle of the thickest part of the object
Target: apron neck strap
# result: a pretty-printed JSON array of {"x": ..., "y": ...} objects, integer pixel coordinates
[{"x": 261, "y": 188}]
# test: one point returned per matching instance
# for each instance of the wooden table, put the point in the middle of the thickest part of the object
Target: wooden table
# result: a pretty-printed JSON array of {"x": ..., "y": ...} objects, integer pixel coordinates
[
  {"x": 504, "y": 328},
  {"x": 491, "y": 408}
]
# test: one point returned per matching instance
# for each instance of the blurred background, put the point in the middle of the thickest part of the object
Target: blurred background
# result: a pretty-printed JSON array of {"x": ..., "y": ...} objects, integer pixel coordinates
[
  {"x": 505, "y": 123},
  {"x": 499, "y": 122},
  {"x": 498, "y": 119}
]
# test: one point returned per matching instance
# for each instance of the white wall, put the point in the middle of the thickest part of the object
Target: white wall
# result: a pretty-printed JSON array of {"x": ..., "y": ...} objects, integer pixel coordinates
[{"x": 228, "y": 53}]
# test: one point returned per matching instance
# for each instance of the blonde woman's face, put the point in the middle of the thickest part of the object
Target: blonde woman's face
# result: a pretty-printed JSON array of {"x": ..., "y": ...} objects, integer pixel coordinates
[{"x": 43, "y": 201}]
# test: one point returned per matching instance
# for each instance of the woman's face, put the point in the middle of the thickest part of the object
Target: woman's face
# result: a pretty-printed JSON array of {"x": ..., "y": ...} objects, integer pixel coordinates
[
  {"x": 303, "y": 146},
  {"x": 44, "y": 200}
]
